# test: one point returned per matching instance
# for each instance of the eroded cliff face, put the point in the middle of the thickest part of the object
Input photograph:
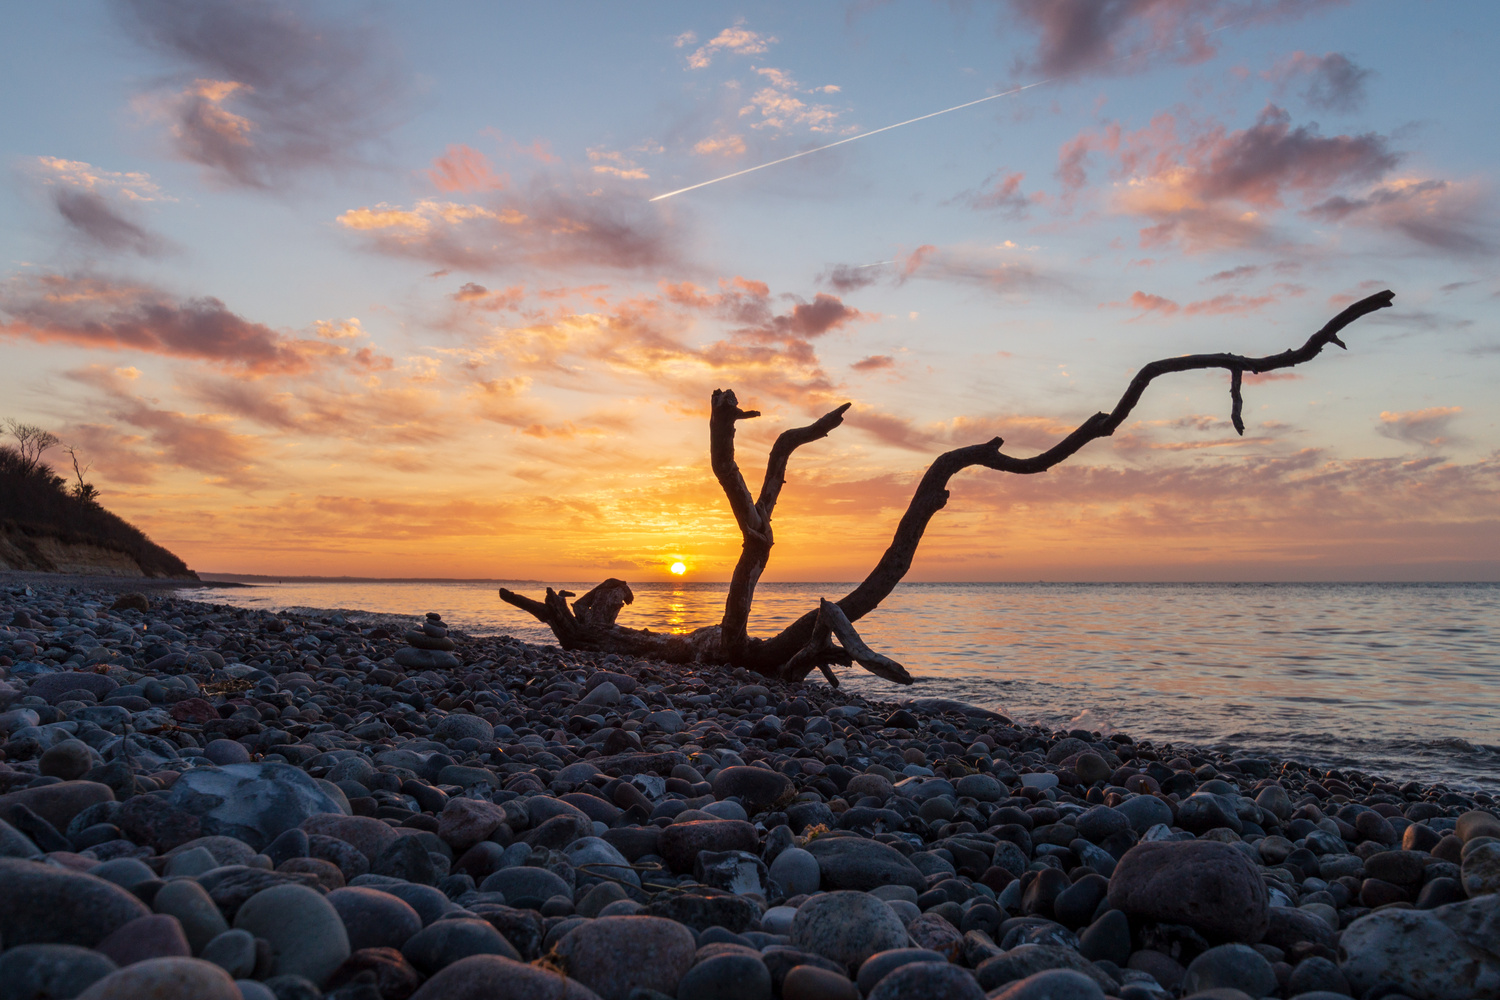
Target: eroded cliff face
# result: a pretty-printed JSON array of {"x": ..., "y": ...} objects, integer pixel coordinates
[{"x": 45, "y": 554}]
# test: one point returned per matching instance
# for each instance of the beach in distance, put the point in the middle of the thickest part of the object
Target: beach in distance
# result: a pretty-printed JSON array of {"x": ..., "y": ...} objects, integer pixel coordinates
[{"x": 1391, "y": 678}]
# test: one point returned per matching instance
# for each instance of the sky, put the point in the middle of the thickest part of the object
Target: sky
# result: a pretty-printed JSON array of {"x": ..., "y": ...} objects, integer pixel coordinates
[{"x": 343, "y": 288}]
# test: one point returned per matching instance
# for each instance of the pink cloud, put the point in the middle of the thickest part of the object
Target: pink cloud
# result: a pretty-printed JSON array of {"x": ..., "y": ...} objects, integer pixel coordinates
[
  {"x": 1116, "y": 37},
  {"x": 99, "y": 313},
  {"x": 463, "y": 168}
]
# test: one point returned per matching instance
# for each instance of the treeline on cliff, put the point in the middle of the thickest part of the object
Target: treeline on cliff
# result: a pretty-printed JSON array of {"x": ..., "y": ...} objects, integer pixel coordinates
[{"x": 36, "y": 503}]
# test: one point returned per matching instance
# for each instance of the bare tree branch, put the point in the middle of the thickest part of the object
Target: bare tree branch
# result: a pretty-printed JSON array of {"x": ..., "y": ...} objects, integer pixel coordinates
[
  {"x": 932, "y": 492},
  {"x": 754, "y": 518},
  {"x": 808, "y": 643}
]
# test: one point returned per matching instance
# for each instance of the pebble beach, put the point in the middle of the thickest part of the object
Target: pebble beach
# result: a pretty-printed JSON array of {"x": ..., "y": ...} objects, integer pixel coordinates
[{"x": 208, "y": 802}]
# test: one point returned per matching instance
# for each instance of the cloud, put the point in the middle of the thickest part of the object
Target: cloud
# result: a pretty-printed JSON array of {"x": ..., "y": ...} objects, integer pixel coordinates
[
  {"x": 100, "y": 205},
  {"x": 1332, "y": 82},
  {"x": 95, "y": 218},
  {"x": 201, "y": 442},
  {"x": 616, "y": 164},
  {"x": 1000, "y": 193},
  {"x": 1219, "y": 305},
  {"x": 102, "y": 314},
  {"x": 1212, "y": 188},
  {"x": 1117, "y": 37},
  {"x": 848, "y": 278},
  {"x": 1427, "y": 428},
  {"x": 262, "y": 91},
  {"x": 553, "y": 222},
  {"x": 779, "y": 108},
  {"x": 737, "y": 39},
  {"x": 726, "y": 145},
  {"x": 463, "y": 168},
  {"x": 874, "y": 363},
  {"x": 1435, "y": 213}
]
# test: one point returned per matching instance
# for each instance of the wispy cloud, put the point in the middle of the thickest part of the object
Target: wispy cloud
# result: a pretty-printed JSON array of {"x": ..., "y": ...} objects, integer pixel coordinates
[
  {"x": 1331, "y": 82},
  {"x": 103, "y": 314},
  {"x": 737, "y": 39},
  {"x": 1118, "y": 37},
  {"x": 264, "y": 91}
]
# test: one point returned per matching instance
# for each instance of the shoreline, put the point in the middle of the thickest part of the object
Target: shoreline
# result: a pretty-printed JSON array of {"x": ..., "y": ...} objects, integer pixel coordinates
[{"x": 481, "y": 782}]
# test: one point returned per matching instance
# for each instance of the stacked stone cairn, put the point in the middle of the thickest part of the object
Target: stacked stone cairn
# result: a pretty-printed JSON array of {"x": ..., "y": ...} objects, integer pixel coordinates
[
  {"x": 207, "y": 803},
  {"x": 428, "y": 646}
]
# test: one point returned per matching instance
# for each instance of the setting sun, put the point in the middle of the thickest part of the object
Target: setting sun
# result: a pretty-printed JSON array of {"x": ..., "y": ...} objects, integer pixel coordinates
[{"x": 678, "y": 568}]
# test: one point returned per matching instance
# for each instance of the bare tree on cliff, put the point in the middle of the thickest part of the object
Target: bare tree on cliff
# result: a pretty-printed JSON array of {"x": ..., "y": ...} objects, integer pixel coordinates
[{"x": 808, "y": 643}]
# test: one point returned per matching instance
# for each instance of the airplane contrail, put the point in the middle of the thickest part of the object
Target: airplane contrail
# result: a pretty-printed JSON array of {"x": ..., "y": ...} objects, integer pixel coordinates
[
  {"x": 887, "y": 128},
  {"x": 862, "y": 135}
]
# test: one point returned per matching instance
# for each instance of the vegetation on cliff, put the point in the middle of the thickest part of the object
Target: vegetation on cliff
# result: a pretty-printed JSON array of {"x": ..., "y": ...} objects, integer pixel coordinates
[{"x": 40, "y": 511}]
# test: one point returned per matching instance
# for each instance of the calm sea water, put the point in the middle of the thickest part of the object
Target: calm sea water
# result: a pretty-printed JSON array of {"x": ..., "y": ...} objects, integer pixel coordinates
[{"x": 1394, "y": 679}]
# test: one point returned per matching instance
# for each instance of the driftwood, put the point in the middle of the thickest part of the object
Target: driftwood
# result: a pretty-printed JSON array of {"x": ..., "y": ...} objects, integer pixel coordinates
[{"x": 808, "y": 643}]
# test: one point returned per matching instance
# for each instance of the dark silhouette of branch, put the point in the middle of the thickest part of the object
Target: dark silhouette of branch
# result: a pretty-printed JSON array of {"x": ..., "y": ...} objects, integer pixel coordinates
[
  {"x": 753, "y": 517},
  {"x": 807, "y": 643},
  {"x": 932, "y": 492}
]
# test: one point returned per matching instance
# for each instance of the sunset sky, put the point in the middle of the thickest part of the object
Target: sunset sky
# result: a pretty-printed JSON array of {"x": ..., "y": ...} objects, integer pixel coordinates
[{"x": 378, "y": 289}]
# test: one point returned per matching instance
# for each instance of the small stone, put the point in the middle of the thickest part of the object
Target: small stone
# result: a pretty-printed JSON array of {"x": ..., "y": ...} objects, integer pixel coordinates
[
  {"x": 808, "y": 982},
  {"x": 858, "y": 864},
  {"x": 757, "y": 788},
  {"x": 726, "y": 977},
  {"x": 59, "y": 803},
  {"x": 460, "y": 727},
  {"x": 796, "y": 871},
  {"x": 365, "y": 834},
  {"x": 881, "y": 964},
  {"x": 1476, "y": 823},
  {"x": 233, "y": 951},
  {"x": 1237, "y": 966},
  {"x": 223, "y": 752},
  {"x": 155, "y": 936},
  {"x": 444, "y": 942},
  {"x": 307, "y": 937},
  {"x": 525, "y": 883},
  {"x": 374, "y": 919},
  {"x": 928, "y": 981},
  {"x": 490, "y": 977},
  {"x": 407, "y": 860},
  {"x": 165, "y": 979},
  {"x": 681, "y": 843},
  {"x": 1208, "y": 886},
  {"x": 847, "y": 927},
  {"x": 1145, "y": 811},
  {"x": 68, "y": 760},
  {"x": 42, "y": 904},
  {"x": 1481, "y": 869},
  {"x": 39, "y": 971},
  {"x": 394, "y": 977},
  {"x": 614, "y": 955},
  {"x": 1316, "y": 975},
  {"x": 698, "y": 911},
  {"x": 465, "y": 822},
  {"x": 1107, "y": 938},
  {"x": 195, "y": 912},
  {"x": 1054, "y": 984}
]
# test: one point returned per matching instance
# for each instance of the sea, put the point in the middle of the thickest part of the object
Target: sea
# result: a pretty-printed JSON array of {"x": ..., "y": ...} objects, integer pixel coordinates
[{"x": 1400, "y": 680}]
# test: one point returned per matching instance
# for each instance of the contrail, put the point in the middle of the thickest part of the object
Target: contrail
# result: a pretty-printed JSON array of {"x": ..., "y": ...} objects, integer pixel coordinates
[{"x": 862, "y": 135}]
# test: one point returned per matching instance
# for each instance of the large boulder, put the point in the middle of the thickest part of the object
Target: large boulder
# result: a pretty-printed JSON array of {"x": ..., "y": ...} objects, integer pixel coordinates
[
  {"x": 1207, "y": 885},
  {"x": 251, "y": 802}
]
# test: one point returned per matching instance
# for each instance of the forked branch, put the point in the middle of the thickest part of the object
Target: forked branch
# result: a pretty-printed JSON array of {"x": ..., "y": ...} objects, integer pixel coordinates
[
  {"x": 932, "y": 492},
  {"x": 808, "y": 643}
]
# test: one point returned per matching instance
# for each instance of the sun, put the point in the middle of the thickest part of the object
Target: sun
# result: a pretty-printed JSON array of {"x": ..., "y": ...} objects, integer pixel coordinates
[{"x": 679, "y": 568}]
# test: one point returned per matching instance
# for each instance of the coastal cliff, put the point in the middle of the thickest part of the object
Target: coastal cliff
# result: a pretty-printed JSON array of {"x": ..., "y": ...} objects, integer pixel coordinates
[{"x": 43, "y": 528}]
